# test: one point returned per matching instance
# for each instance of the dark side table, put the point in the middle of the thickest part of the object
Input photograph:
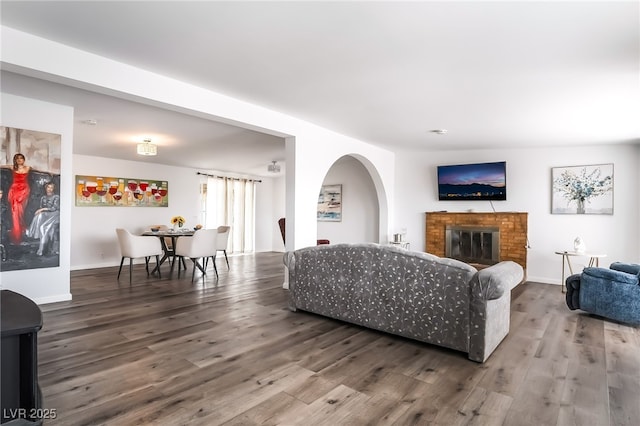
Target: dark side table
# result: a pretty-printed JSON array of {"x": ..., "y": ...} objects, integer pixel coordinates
[{"x": 20, "y": 321}]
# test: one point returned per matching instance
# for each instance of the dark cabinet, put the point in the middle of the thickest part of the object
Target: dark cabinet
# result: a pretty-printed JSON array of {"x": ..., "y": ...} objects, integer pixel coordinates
[{"x": 20, "y": 321}]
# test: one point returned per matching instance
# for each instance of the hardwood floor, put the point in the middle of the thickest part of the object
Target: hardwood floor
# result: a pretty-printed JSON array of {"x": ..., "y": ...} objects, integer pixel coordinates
[{"x": 228, "y": 352}]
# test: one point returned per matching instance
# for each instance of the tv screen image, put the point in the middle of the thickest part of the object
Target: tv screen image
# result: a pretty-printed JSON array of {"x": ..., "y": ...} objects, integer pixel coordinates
[{"x": 481, "y": 181}]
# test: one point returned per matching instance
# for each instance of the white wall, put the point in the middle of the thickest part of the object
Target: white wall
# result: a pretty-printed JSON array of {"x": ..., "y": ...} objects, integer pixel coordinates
[
  {"x": 270, "y": 204},
  {"x": 93, "y": 237},
  {"x": 360, "y": 209},
  {"x": 529, "y": 190},
  {"x": 279, "y": 210},
  {"x": 47, "y": 284}
]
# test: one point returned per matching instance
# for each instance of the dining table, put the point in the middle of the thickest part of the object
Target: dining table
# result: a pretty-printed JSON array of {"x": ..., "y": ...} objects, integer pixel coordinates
[{"x": 167, "y": 252}]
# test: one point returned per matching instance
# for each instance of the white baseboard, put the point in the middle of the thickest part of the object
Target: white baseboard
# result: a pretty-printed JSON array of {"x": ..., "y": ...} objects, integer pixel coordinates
[
  {"x": 93, "y": 266},
  {"x": 52, "y": 299},
  {"x": 544, "y": 280},
  {"x": 110, "y": 264}
]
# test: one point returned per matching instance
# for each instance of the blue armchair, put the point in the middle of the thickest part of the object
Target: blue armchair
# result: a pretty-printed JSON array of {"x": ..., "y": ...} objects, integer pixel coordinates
[{"x": 611, "y": 293}]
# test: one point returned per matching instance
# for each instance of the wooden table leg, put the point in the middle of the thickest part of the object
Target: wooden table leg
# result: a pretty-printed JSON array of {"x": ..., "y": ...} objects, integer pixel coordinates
[
  {"x": 165, "y": 256},
  {"x": 565, "y": 258}
]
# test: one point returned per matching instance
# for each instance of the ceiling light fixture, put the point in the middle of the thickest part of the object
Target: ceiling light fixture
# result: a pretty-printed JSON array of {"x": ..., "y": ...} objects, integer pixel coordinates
[
  {"x": 274, "y": 167},
  {"x": 439, "y": 131},
  {"x": 147, "y": 148}
]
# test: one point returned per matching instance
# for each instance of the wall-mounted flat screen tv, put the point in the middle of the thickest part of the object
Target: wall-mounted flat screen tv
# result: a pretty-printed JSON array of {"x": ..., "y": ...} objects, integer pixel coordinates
[{"x": 481, "y": 181}]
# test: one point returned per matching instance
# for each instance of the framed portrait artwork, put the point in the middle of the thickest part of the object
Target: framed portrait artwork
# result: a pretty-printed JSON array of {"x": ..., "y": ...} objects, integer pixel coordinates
[
  {"x": 330, "y": 203},
  {"x": 30, "y": 199},
  {"x": 582, "y": 189}
]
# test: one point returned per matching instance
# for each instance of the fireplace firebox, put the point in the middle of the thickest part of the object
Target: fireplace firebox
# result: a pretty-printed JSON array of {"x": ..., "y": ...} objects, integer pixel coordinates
[{"x": 472, "y": 244}]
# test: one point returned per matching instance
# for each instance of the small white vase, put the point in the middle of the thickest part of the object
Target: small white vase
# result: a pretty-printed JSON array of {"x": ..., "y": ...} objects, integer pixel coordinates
[{"x": 579, "y": 245}]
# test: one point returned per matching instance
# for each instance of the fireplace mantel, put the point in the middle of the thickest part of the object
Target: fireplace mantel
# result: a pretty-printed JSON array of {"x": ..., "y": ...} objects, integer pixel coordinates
[{"x": 512, "y": 225}]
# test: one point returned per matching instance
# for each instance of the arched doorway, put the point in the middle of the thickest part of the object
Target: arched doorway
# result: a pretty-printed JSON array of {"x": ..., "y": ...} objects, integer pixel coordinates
[{"x": 357, "y": 217}]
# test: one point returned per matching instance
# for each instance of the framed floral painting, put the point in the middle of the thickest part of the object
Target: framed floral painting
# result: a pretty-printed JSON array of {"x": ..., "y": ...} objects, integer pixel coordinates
[{"x": 582, "y": 189}]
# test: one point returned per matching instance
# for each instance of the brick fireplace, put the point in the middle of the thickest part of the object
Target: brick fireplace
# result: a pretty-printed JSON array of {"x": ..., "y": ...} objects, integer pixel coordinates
[{"x": 511, "y": 229}]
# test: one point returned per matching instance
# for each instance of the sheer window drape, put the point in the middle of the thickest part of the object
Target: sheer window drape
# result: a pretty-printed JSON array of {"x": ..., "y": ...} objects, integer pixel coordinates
[{"x": 228, "y": 201}]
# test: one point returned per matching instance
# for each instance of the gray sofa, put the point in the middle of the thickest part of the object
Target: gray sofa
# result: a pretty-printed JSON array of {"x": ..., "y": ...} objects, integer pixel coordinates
[{"x": 435, "y": 300}]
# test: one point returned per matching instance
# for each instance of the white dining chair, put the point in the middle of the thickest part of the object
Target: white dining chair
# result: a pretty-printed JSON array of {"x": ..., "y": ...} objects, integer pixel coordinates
[
  {"x": 135, "y": 247},
  {"x": 223, "y": 241},
  {"x": 202, "y": 245}
]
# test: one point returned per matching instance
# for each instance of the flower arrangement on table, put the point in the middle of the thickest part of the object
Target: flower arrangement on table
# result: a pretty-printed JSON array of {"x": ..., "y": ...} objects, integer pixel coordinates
[{"x": 178, "y": 220}]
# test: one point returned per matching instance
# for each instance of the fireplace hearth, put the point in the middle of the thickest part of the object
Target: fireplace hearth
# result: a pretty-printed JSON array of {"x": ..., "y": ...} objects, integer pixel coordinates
[{"x": 472, "y": 244}]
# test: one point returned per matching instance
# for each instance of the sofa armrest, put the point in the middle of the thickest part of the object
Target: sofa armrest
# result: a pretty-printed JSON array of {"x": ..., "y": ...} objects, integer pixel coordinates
[
  {"x": 289, "y": 260},
  {"x": 629, "y": 268},
  {"x": 573, "y": 291},
  {"x": 490, "y": 307},
  {"x": 492, "y": 282}
]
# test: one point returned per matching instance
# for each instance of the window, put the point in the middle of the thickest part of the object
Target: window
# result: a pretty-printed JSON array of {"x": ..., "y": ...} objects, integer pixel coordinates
[{"x": 230, "y": 201}]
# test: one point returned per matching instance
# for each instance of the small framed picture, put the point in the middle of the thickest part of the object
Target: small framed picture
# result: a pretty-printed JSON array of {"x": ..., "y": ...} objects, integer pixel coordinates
[{"x": 330, "y": 203}]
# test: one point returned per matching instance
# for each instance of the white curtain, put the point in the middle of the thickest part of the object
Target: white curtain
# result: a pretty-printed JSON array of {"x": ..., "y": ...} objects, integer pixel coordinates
[{"x": 228, "y": 201}]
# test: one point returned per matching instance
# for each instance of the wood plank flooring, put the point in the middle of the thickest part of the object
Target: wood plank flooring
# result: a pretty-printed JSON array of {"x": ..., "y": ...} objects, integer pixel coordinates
[{"x": 228, "y": 352}]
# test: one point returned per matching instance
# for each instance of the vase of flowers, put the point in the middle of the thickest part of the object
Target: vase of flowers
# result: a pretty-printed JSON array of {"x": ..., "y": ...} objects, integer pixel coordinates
[{"x": 177, "y": 222}]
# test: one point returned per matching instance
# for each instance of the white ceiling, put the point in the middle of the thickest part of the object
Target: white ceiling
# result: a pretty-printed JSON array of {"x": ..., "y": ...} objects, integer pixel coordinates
[{"x": 494, "y": 74}]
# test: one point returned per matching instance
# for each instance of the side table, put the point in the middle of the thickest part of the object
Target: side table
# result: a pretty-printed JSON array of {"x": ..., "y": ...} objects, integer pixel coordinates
[{"x": 594, "y": 260}]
